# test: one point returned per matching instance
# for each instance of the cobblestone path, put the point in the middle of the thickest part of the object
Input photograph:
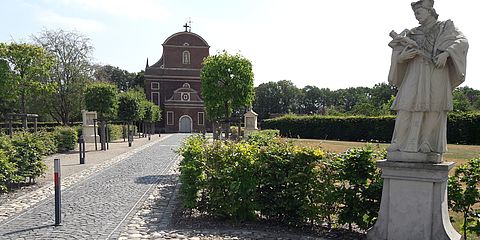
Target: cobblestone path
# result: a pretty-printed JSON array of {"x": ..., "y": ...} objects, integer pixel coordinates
[{"x": 99, "y": 206}]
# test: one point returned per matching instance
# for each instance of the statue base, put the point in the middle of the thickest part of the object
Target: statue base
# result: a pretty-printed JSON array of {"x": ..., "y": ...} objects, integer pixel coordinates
[
  {"x": 418, "y": 157},
  {"x": 414, "y": 202},
  {"x": 89, "y": 134}
]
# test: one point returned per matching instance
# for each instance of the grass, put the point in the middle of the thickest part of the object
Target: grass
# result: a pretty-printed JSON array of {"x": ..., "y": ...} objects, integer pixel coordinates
[
  {"x": 459, "y": 154},
  {"x": 456, "y": 153}
]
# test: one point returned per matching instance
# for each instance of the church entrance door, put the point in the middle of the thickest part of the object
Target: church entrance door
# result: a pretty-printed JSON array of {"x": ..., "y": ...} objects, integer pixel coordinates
[{"x": 185, "y": 124}]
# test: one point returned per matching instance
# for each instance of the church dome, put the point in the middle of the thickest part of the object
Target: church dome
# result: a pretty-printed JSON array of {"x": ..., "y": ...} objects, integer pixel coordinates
[{"x": 186, "y": 39}]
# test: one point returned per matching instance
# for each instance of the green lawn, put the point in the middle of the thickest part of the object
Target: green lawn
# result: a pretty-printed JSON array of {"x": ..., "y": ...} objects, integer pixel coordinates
[{"x": 456, "y": 153}]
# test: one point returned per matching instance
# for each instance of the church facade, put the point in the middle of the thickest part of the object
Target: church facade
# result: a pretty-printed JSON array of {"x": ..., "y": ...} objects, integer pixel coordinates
[{"x": 173, "y": 83}]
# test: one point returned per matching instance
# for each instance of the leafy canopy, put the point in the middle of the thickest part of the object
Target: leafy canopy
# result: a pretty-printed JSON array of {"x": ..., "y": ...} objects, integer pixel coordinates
[
  {"x": 227, "y": 84},
  {"x": 103, "y": 98}
]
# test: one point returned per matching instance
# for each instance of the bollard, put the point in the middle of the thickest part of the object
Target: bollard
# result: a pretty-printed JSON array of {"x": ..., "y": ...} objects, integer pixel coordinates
[
  {"x": 81, "y": 149},
  {"x": 58, "y": 204},
  {"x": 130, "y": 139}
]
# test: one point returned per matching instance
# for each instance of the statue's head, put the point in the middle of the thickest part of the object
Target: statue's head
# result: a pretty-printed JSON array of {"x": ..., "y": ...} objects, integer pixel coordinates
[{"x": 427, "y": 5}]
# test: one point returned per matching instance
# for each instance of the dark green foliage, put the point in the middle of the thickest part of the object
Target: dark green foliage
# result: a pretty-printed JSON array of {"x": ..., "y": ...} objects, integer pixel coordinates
[
  {"x": 464, "y": 193},
  {"x": 353, "y": 128},
  {"x": 463, "y": 128},
  {"x": 361, "y": 186},
  {"x": 66, "y": 138}
]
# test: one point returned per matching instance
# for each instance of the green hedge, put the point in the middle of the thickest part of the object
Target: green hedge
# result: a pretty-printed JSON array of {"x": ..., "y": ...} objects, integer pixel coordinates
[
  {"x": 115, "y": 131},
  {"x": 279, "y": 181},
  {"x": 66, "y": 138},
  {"x": 461, "y": 128},
  {"x": 21, "y": 157}
]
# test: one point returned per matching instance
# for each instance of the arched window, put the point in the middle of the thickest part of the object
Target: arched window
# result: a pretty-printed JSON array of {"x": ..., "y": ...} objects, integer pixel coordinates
[{"x": 186, "y": 57}]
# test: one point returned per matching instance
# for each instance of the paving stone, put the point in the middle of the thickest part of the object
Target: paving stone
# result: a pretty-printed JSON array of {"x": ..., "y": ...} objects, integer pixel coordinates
[{"x": 101, "y": 201}]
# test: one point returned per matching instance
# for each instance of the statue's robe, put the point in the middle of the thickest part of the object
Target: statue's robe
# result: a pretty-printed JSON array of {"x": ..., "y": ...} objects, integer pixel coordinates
[{"x": 424, "y": 91}]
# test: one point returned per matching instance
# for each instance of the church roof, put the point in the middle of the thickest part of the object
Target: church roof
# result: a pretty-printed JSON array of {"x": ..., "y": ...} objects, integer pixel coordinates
[{"x": 182, "y": 38}]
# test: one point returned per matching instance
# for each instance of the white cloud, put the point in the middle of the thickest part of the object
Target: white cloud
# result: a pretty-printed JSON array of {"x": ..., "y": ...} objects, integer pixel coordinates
[
  {"x": 140, "y": 9},
  {"x": 85, "y": 25}
]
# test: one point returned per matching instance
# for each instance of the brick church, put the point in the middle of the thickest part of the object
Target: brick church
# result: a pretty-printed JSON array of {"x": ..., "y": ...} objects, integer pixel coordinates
[{"x": 173, "y": 83}]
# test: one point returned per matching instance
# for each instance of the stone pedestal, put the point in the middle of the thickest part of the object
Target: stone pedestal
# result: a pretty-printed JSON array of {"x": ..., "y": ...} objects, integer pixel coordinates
[
  {"x": 250, "y": 122},
  {"x": 414, "y": 202},
  {"x": 88, "y": 126}
]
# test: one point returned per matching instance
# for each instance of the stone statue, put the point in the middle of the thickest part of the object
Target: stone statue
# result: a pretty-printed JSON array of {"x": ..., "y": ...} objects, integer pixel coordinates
[{"x": 428, "y": 62}]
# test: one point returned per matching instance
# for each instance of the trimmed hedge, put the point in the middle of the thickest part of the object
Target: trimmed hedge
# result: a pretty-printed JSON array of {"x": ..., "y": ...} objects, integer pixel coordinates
[
  {"x": 279, "y": 181},
  {"x": 66, "y": 138},
  {"x": 461, "y": 128}
]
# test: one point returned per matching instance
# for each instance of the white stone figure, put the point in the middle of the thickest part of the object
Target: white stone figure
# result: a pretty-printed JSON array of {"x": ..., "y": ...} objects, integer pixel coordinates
[{"x": 428, "y": 62}]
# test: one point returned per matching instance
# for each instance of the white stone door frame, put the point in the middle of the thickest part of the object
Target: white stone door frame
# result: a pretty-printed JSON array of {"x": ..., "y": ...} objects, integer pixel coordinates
[{"x": 180, "y": 123}]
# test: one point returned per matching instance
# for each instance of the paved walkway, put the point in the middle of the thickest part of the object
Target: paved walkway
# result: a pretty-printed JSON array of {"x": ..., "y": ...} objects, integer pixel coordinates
[
  {"x": 96, "y": 206},
  {"x": 122, "y": 193}
]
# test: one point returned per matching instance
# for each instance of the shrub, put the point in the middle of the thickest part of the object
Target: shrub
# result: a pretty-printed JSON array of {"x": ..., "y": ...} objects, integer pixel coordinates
[
  {"x": 48, "y": 144},
  {"x": 192, "y": 168},
  {"x": 66, "y": 138},
  {"x": 361, "y": 187},
  {"x": 464, "y": 193},
  {"x": 280, "y": 181},
  {"x": 115, "y": 131},
  {"x": 263, "y": 137},
  {"x": 28, "y": 156},
  {"x": 7, "y": 171},
  {"x": 230, "y": 181},
  {"x": 289, "y": 183}
]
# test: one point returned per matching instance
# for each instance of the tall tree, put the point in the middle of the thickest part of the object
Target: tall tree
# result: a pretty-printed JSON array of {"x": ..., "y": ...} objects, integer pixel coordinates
[
  {"x": 227, "y": 84},
  {"x": 71, "y": 73},
  {"x": 278, "y": 98},
  {"x": 102, "y": 98},
  {"x": 123, "y": 79},
  {"x": 25, "y": 67}
]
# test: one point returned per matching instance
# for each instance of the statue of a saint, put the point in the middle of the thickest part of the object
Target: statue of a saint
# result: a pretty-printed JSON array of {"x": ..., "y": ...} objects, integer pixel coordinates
[{"x": 428, "y": 62}]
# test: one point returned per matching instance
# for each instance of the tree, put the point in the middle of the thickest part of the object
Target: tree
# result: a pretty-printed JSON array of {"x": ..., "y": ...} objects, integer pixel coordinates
[
  {"x": 102, "y": 98},
  {"x": 152, "y": 113},
  {"x": 227, "y": 84},
  {"x": 130, "y": 107},
  {"x": 25, "y": 69},
  {"x": 7, "y": 98},
  {"x": 278, "y": 97},
  {"x": 70, "y": 74},
  {"x": 123, "y": 79}
]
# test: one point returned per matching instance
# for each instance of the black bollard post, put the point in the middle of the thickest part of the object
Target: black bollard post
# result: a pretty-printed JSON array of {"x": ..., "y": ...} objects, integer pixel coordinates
[
  {"x": 81, "y": 149},
  {"x": 58, "y": 204},
  {"x": 130, "y": 139},
  {"x": 95, "y": 133}
]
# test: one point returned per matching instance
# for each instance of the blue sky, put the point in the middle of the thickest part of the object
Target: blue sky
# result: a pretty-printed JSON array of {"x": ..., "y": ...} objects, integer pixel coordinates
[{"x": 334, "y": 44}]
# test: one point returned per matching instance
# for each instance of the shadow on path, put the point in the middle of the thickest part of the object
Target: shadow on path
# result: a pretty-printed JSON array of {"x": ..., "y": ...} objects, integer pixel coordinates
[{"x": 29, "y": 229}]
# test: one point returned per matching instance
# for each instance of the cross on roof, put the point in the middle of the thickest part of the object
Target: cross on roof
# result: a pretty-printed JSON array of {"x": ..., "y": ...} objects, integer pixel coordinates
[{"x": 186, "y": 26}]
